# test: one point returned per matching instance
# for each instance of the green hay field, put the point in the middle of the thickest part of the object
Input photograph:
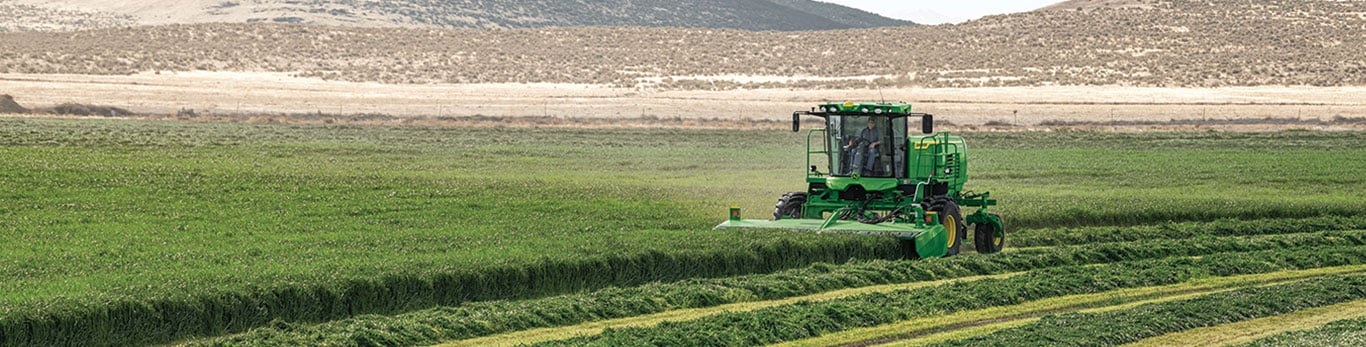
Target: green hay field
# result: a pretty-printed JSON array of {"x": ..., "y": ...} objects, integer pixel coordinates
[{"x": 117, "y": 232}]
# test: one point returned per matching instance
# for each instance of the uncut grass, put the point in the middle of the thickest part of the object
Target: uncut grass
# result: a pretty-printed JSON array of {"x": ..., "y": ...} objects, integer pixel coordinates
[
  {"x": 127, "y": 220},
  {"x": 172, "y": 239},
  {"x": 481, "y": 319},
  {"x": 1130, "y": 325},
  {"x": 810, "y": 319},
  {"x": 1347, "y": 332}
]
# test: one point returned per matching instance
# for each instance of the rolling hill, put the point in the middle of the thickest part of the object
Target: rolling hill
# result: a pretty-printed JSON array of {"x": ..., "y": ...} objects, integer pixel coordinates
[
  {"x": 1101, "y": 4},
  {"x": 1163, "y": 43},
  {"x": 782, "y": 15}
]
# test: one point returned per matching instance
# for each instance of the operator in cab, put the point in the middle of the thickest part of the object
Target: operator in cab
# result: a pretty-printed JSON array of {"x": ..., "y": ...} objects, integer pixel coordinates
[{"x": 864, "y": 147}]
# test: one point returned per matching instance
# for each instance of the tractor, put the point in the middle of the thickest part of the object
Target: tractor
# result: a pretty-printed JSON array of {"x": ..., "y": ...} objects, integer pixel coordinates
[{"x": 869, "y": 175}]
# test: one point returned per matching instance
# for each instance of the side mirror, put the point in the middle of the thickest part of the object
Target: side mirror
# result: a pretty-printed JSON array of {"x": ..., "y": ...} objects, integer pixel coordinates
[
  {"x": 796, "y": 122},
  {"x": 813, "y": 169},
  {"x": 927, "y": 124}
]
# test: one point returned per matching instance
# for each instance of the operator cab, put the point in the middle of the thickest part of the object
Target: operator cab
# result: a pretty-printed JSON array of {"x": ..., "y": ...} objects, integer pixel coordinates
[
  {"x": 867, "y": 139},
  {"x": 867, "y": 146}
]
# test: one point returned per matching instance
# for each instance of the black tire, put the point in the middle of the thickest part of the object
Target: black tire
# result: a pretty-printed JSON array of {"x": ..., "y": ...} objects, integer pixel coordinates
[
  {"x": 789, "y": 206},
  {"x": 952, "y": 219},
  {"x": 988, "y": 240}
]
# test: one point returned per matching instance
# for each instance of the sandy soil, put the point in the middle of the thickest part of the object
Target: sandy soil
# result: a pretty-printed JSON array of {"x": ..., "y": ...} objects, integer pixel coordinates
[{"x": 230, "y": 93}]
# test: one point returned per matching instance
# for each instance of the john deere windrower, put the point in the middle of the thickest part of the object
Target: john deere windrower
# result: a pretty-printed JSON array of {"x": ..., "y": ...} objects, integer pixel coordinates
[{"x": 869, "y": 175}]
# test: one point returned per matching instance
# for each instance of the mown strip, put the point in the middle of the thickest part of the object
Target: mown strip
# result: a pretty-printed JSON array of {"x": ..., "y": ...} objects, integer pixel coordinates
[
  {"x": 810, "y": 319},
  {"x": 1125, "y": 326},
  {"x": 1254, "y": 329},
  {"x": 483, "y": 319},
  {"x": 962, "y": 333},
  {"x": 1071, "y": 303},
  {"x": 1345, "y": 333}
]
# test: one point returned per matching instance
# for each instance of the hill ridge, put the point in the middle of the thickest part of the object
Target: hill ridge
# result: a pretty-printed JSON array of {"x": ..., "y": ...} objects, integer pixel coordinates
[
  {"x": 1212, "y": 43},
  {"x": 758, "y": 15}
]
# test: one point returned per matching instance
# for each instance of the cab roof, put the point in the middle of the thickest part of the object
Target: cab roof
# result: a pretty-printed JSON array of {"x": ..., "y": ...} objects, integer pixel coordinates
[{"x": 863, "y": 108}]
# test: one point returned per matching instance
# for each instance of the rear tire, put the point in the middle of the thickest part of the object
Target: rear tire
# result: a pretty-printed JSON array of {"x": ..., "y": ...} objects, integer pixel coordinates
[
  {"x": 989, "y": 240},
  {"x": 952, "y": 220},
  {"x": 789, "y": 206}
]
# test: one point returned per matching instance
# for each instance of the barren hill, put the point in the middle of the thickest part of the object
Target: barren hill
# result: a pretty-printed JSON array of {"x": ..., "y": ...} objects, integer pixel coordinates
[
  {"x": 20, "y": 16},
  {"x": 1100, "y": 4},
  {"x": 1162, "y": 43},
  {"x": 749, "y": 15}
]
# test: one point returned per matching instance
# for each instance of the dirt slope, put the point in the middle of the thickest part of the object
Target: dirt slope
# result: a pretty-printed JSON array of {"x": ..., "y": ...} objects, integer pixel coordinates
[{"x": 7, "y": 105}]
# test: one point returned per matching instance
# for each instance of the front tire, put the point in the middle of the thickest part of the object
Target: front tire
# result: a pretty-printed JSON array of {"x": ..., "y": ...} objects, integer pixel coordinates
[
  {"x": 952, "y": 220},
  {"x": 789, "y": 206},
  {"x": 988, "y": 239}
]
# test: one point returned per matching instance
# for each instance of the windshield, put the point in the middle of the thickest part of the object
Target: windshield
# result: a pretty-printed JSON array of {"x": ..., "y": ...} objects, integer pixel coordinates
[{"x": 869, "y": 146}]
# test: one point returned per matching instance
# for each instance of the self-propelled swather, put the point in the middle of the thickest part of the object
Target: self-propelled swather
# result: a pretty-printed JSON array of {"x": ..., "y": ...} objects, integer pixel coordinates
[{"x": 879, "y": 179}]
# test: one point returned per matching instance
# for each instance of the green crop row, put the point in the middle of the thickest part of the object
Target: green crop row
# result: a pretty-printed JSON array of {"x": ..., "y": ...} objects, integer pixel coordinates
[
  {"x": 1134, "y": 324},
  {"x": 810, "y": 319},
  {"x": 481, "y": 319},
  {"x": 1343, "y": 333},
  {"x": 1225, "y": 227}
]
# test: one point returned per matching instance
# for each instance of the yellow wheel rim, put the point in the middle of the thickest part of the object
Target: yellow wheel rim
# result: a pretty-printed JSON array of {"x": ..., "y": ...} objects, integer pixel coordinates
[
  {"x": 951, "y": 226},
  {"x": 998, "y": 237}
]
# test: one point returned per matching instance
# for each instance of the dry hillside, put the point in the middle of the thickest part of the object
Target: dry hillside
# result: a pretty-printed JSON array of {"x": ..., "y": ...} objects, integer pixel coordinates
[
  {"x": 1100, "y": 4},
  {"x": 19, "y": 16},
  {"x": 748, "y": 15},
  {"x": 1160, "y": 43}
]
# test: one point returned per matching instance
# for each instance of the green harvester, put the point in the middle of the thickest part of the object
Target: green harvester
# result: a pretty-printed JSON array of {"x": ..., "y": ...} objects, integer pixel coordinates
[{"x": 881, "y": 180}]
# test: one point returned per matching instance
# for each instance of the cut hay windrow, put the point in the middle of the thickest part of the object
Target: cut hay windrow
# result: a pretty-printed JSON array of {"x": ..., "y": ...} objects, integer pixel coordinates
[
  {"x": 481, "y": 319},
  {"x": 810, "y": 319},
  {"x": 1345, "y": 333},
  {"x": 1134, "y": 324},
  {"x": 965, "y": 324},
  {"x": 1224, "y": 227},
  {"x": 1242, "y": 332},
  {"x": 136, "y": 322}
]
